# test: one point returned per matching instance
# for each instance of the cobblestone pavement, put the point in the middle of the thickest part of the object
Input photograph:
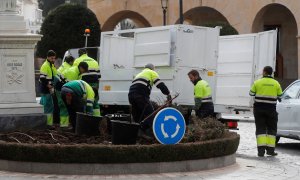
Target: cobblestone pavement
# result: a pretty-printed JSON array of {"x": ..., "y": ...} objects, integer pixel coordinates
[{"x": 248, "y": 167}]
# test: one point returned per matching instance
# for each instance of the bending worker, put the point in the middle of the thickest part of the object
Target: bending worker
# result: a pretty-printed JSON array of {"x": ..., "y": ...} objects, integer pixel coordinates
[
  {"x": 93, "y": 80},
  {"x": 48, "y": 97},
  {"x": 78, "y": 96},
  {"x": 59, "y": 81},
  {"x": 139, "y": 95},
  {"x": 204, "y": 106},
  {"x": 266, "y": 91}
]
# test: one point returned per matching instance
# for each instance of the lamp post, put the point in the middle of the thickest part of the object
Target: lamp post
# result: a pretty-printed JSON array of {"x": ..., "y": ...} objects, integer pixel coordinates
[
  {"x": 180, "y": 12},
  {"x": 86, "y": 34},
  {"x": 164, "y": 6}
]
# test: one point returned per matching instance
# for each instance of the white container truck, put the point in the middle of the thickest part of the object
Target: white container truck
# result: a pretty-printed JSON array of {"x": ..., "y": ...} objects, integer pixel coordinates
[{"x": 230, "y": 64}]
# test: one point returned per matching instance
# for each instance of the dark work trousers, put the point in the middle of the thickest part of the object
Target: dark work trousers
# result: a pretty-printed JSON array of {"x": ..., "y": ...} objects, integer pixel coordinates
[
  {"x": 206, "y": 110},
  {"x": 56, "y": 116},
  {"x": 76, "y": 104},
  {"x": 266, "y": 123},
  {"x": 141, "y": 108}
]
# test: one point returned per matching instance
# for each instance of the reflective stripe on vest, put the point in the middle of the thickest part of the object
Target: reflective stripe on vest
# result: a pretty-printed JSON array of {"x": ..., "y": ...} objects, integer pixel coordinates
[
  {"x": 142, "y": 81},
  {"x": 82, "y": 86},
  {"x": 206, "y": 99},
  {"x": 265, "y": 99}
]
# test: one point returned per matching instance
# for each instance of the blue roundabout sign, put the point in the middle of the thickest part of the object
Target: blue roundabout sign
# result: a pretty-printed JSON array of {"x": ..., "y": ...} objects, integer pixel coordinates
[{"x": 169, "y": 126}]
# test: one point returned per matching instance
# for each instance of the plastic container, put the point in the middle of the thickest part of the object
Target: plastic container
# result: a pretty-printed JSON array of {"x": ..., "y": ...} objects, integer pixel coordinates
[
  {"x": 124, "y": 132},
  {"x": 87, "y": 124},
  {"x": 118, "y": 117}
]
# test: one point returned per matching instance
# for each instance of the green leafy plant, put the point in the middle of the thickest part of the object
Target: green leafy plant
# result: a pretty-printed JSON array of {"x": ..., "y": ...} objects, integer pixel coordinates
[
  {"x": 227, "y": 29},
  {"x": 64, "y": 27},
  {"x": 204, "y": 129}
]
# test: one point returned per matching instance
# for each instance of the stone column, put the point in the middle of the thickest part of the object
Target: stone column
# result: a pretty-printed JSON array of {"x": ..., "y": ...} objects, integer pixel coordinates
[{"x": 18, "y": 106}]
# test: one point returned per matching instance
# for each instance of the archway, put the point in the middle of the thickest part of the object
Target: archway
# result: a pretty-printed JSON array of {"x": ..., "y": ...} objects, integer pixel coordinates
[
  {"x": 278, "y": 16},
  {"x": 210, "y": 17},
  {"x": 129, "y": 19}
]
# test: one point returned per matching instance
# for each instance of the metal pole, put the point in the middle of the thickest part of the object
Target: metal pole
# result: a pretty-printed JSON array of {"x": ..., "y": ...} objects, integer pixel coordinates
[
  {"x": 180, "y": 12},
  {"x": 86, "y": 40},
  {"x": 165, "y": 18}
]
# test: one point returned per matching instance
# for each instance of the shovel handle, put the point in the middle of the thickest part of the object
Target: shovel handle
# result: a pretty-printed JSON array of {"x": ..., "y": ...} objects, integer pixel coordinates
[{"x": 161, "y": 107}]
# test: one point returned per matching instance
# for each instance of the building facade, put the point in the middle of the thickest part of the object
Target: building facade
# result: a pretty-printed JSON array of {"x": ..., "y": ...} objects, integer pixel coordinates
[{"x": 246, "y": 16}]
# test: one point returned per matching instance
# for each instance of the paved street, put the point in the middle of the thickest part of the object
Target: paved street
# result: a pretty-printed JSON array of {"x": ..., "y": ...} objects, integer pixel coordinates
[{"x": 285, "y": 166}]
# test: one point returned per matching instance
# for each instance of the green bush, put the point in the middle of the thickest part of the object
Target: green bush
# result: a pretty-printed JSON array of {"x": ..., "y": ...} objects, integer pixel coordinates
[
  {"x": 227, "y": 29},
  {"x": 64, "y": 27},
  {"x": 119, "y": 154},
  {"x": 204, "y": 129}
]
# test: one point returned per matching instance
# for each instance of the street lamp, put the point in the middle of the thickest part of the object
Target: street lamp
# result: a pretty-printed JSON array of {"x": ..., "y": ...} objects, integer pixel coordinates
[
  {"x": 164, "y": 6},
  {"x": 86, "y": 34},
  {"x": 180, "y": 12}
]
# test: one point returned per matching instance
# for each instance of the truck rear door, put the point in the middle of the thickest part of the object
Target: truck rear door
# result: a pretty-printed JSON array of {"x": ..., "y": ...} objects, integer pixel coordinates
[
  {"x": 196, "y": 48},
  {"x": 241, "y": 61}
]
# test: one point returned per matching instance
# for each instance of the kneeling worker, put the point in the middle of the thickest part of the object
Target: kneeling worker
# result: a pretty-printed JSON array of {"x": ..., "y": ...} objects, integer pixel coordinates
[
  {"x": 204, "y": 106},
  {"x": 78, "y": 96},
  {"x": 139, "y": 95}
]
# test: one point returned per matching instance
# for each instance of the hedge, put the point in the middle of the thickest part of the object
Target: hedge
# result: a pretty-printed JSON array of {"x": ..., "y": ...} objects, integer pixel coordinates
[{"x": 120, "y": 153}]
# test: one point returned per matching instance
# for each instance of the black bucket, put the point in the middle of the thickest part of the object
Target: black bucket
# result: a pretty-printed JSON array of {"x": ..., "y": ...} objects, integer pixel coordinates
[
  {"x": 124, "y": 132},
  {"x": 118, "y": 117},
  {"x": 87, "y": 124}
]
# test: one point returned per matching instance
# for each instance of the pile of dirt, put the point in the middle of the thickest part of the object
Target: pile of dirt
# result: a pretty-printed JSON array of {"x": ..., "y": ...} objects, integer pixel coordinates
[
  {"x": 198, "y": 130},
  {"x": 52, "y": 137}
]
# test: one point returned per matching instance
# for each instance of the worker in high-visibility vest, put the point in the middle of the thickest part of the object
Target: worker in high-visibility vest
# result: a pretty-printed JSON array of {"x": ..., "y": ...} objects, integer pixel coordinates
[
  {"x": 204, "y": 106},
  {"x": 73, "y": 72},
  {"x": 93, "y": 80},
  {"x": 78, "y": 96},
  {"x": 266, "y": 92},
  {"x": 59, "y": 81},
  {"x": 139, "y": 95},
  {"x": 48, "y": 97},
  {"x": 69, "y": 60}
]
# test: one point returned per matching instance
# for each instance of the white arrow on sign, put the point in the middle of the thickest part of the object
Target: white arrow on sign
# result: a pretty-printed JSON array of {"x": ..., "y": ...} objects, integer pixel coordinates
[
  {"x": 170, "y": 117},
  {"x": 176, "y": 132},
  {"x": 162, "y": 128}
]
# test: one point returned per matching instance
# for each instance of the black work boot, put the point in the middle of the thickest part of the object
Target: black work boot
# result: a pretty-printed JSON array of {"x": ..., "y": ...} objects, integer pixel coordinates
[
  {"x": 271, "y": 151},
  {"x": 261, "y": 151}
]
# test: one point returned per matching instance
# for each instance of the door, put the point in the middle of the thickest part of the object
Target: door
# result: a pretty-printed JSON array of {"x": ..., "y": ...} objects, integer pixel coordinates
[
  {"x": 289, "y": 111},
  {"x": 265, "y": 52},
  {"x": 234, "y": 70}
]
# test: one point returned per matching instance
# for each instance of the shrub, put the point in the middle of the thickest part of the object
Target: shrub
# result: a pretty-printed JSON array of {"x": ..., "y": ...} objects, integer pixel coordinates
[
  {"x": 63, "y": 29},
  {"x": 227, "y": 29},
  {"x": 204, "y": 129},
  {"x": 119, "y": 153}
]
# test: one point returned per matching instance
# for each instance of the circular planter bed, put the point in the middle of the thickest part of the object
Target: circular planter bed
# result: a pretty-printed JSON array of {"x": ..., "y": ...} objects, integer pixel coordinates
[{"x": 84, "y": 155}]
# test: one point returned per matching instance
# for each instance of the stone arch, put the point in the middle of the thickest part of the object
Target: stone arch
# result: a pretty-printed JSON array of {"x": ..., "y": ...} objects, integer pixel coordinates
[
  {"x": 113, "y": 20},
  {"x": 208, "y": 16},
  {"x": 203, "y": 14},
  {"x": 279, "y": 16}
]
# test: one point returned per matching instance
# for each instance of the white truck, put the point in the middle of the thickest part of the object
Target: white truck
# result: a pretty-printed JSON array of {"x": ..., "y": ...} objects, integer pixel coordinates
[{"x": 230, "y": 64}]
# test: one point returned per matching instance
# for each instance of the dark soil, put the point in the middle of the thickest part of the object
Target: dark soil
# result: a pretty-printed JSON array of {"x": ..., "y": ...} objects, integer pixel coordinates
[
  {"x": 199, "y": 130},
  {"x": 52, "y": 137}
]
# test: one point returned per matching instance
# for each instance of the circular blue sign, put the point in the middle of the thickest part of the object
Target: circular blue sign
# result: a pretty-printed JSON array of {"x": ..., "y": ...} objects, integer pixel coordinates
[{"x": 169, "y": 126}]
